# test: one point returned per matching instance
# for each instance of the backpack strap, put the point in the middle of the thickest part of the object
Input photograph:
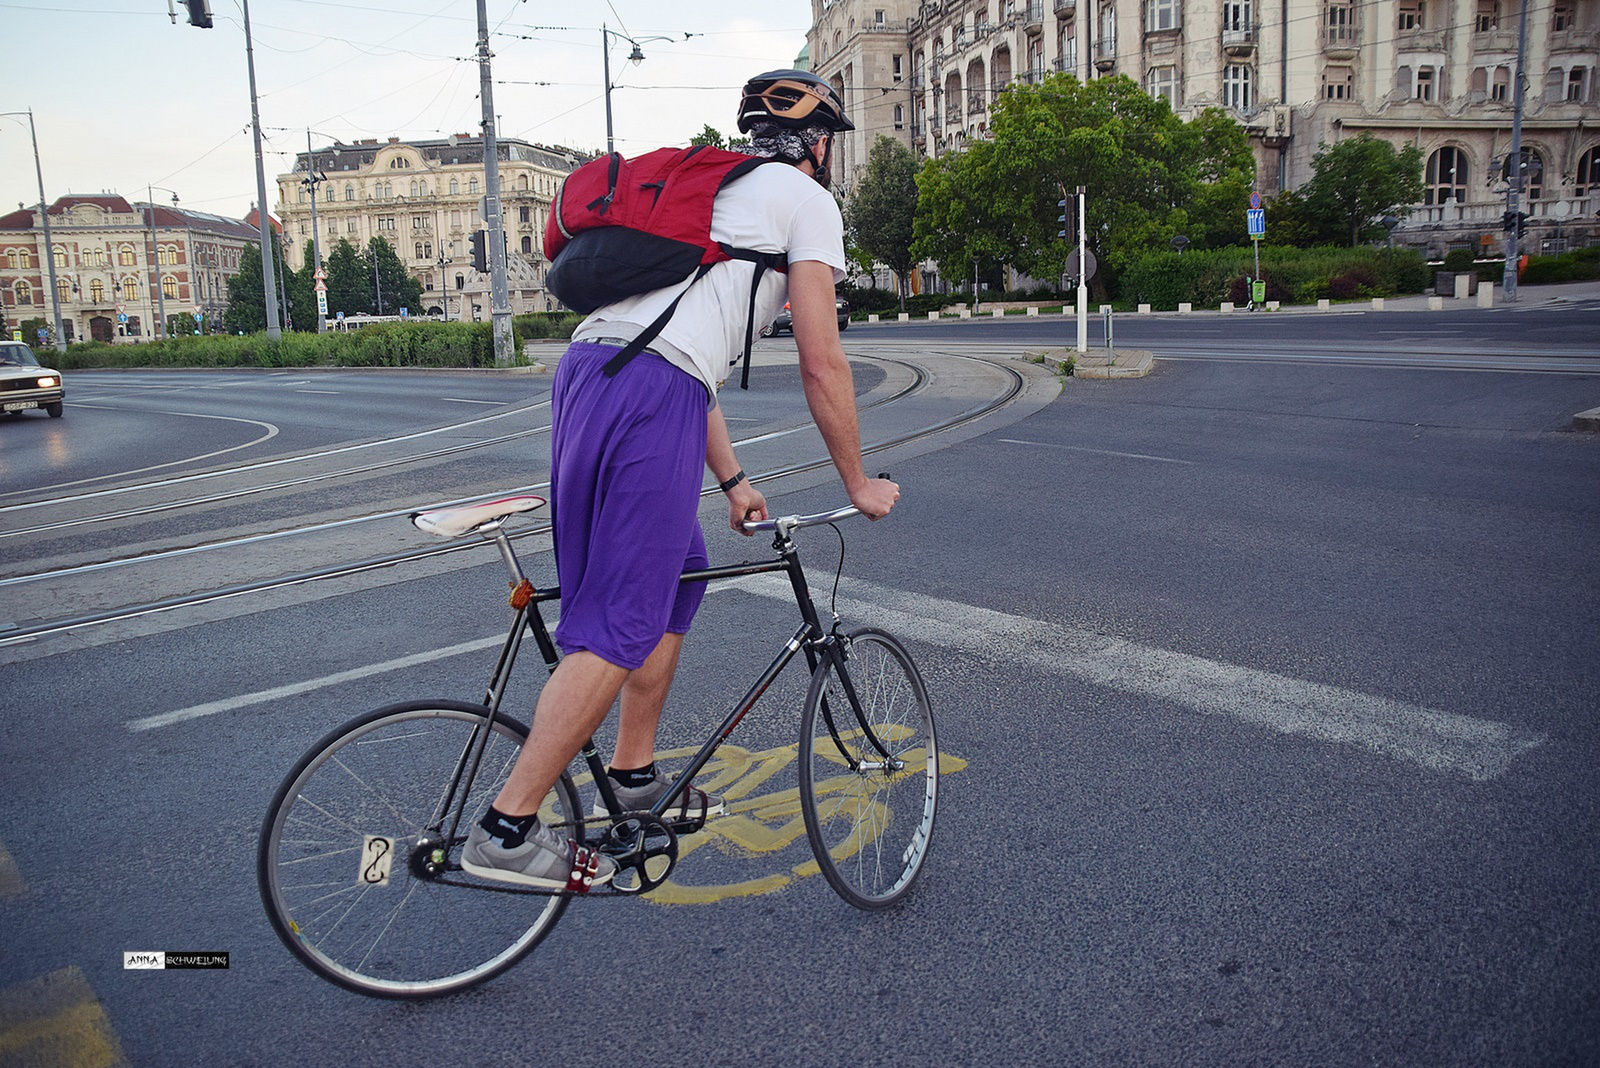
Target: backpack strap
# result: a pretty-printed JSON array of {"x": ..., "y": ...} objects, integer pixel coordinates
[
  {"x": 764, "y": 262},
  {"x": 648, "y": 334}
]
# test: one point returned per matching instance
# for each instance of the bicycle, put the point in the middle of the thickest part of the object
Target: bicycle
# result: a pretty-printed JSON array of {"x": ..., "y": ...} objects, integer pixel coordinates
[{"x": 358, "y": 860}]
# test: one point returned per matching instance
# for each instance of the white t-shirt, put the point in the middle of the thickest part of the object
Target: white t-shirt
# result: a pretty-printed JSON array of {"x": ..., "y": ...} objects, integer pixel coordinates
[{"x": 774, "y": 208}]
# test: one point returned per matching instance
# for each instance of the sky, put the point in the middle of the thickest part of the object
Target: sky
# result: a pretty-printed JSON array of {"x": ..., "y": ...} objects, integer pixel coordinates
[{"x": 124, "y": 99}]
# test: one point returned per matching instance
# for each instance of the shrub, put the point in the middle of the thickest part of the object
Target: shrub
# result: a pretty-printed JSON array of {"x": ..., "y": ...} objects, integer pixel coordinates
[
  {"x": 1459, "y": 261},
  {"x": 1577, "y": 266}
]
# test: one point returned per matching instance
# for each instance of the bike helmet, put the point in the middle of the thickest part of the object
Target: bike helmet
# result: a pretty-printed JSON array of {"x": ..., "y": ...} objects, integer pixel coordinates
[{"x": 791, "y": 98}]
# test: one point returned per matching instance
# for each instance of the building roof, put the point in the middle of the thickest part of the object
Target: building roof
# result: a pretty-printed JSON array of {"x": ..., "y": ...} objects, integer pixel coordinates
[
  {"x": 449, "y": 151},
  {"x": 167, "y": 217}
]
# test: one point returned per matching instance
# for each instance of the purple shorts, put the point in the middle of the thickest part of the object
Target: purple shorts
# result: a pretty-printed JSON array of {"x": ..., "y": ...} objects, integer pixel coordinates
[{"x": 627, "y": 455}]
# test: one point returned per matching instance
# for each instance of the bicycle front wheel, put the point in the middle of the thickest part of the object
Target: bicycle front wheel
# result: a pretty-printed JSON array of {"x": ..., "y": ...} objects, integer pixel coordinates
[
  {"x": 359, "y": 858},
  {"x": 869, "y": 770}
]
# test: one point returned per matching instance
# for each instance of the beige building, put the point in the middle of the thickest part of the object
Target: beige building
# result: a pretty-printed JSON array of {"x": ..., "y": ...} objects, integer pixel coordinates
[
  {"x": 424, "y": 198},
  {"x": 119, "y": 265},
  {"x": 1296, "y": 74}
]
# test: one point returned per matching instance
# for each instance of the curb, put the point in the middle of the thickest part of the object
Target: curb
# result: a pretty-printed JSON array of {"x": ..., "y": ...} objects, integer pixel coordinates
[{"x": 1589, "y": 420}]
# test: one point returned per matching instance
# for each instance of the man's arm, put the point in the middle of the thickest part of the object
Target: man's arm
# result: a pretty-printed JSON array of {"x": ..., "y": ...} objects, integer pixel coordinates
[
  {"x": 830, "y": 391},
  {"x": 744, "y": 500}
]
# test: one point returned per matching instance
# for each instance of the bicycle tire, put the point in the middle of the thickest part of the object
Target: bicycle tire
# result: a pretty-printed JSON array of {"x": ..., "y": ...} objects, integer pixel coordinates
[
  {"x": 869, "y": 828},
  {"x": 382, "y": 777}
]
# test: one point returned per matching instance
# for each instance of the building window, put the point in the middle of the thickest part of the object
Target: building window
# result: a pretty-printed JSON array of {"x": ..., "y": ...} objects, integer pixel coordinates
[
  {"x": 527, "y": 245},
  {"x": 1162, "y": 82},
  {"x": 522, "y": 181},
  {"x": 472, "y": 185},
  {"x": 169, "y": 287},
  {"x": 1578, "y": 84},
  {"x": 1341, "y": 23},
  {"x": 302, "y": 229},
  {"x": 1561, "y": 18},
  {"x": 1237, "y": 16},
  {"x": 417, "y": 254},
  {"x": 63, "y": 291},
  {"x": 455, "y": 220},
  {"x": 1554, "y": 83},
  {"x": 399, "y": 163},
  {"x": 97, "y": 291},
  {"x": 461, "y": 282},
  {"x": 1163, "y": 15},
  {"x": 1488, "y": 16},
  {"x": 126, "y": 257},
  {"x": 1339, "y": 83},
  {"x": 455, "y": 187},
  {"x": 423, "y": 188},
  {"x": 427, "y": 250},
  {"x": 1533, "y": 174},
  {"x": 1402, "y": 81},
  {"x": 1411, "y": 15},
  {"x": 413, "y": 187},
  {"x": 419, "y": 222},
  {"x": 1501, "y": 89},
  {"x": 386, "y": 222},
  {"x": 1588, "y": 172},
  {"x": 350, "y": 226},
  {"x": 23, "y": 291},
  {"x": 130, "y": 290},
  {"x": 522, "y": 215},
  {"x": 1238, "y": 89},
  {"x": 899, "y": 117},
  {"x": 1424, "y": 89},
  {"x": 1106, "y": 46},
  {"x": 60, "y": 254},
  {"x": 349, "y": 193},
  {"x": 898, "y": 66},
  {"x": 11, "y": 258},
  {"x": 1446, "y": 177}
]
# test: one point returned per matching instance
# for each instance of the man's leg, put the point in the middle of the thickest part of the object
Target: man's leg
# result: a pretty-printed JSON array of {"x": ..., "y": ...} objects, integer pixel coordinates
[
  {"x": 571, "y": 707},
  {"x": 643, "y": 695}
]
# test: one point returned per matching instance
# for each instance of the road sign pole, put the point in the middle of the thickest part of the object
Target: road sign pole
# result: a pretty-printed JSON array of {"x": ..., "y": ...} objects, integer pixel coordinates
[{"x": 1083, "y": 276}]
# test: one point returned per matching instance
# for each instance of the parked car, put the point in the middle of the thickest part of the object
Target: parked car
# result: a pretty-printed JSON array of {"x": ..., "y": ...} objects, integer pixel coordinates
[
  {"x": 785, "y": 321},
  {"x": 25, "y": 385}
]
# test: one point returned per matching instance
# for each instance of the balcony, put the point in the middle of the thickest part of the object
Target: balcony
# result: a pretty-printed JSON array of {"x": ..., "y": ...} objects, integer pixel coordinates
[
  {"x": 1341, "y": 42},
  {"x": 1575, "y": 41},
  {"x": 1420, "y": 40},
  {"x": 1105, "y": 56},
  {"x": 1239, "y": 43},
  {"x": 975, "y": 103},
  {"x": 1032, "y": 17},
  {"x": 1066, "y": 10}
]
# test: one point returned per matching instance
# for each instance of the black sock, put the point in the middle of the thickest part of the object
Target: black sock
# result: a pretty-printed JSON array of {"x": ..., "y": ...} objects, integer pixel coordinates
[
  {"x": 633, "y": 778},
  {"x": 511, "y": 830}
]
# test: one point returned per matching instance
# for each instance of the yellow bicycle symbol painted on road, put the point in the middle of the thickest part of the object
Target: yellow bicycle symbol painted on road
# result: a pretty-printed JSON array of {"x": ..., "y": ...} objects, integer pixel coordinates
[{"x": 756, "y": 825}]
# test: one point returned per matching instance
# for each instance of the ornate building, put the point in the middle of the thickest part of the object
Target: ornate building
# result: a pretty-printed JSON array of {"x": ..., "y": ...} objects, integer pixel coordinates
[
  {"x": 423, "y": 197},
  {"x": 119, "y": 265},
  {"x": 1296, "y": 73}
]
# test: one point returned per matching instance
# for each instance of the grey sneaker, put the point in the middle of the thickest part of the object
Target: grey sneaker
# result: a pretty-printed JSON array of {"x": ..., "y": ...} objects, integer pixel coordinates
[
  {"x": 693, "y": 807},
  {"x": 545, "y": 860}
]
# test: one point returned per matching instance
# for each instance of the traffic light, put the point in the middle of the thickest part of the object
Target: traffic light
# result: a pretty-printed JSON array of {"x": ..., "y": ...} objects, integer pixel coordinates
[
  {"x": 480, "y": 254},
  {"x": 1515, "y": 220},
  {"x": 199, "y": 13},
  {"x": 1069, "y": 224}
]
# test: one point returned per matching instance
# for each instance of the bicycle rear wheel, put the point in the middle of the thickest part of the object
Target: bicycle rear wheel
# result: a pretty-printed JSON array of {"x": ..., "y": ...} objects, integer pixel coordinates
[
  {"x": 356, "y": 872},
  {"x": 869, "y": 812}
]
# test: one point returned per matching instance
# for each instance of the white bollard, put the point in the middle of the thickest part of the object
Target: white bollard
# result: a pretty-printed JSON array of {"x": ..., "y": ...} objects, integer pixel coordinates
[
  {"x": 998, "y": 313},
  {"x": 905, "y": 317},
  {"x": 1377, "y": 304},
  {"x": 932, "y": 316},
  {"x": 1227, "y": 306},
  {"x": 1274, "y": 305},
  {"x": 1485, "y": 294},
  {"x": 965, "y": 313},
  {"x": 1033, "y": 311},
  {"x": 1323, "y": 304},
  {"x": 1463, "y": 285},
  {"x": 1185, "y": 308},
  {"x": 872, "y": 317},
  {"x": 1436, "y": 304},
  {"x": 1144, "y": 309}
]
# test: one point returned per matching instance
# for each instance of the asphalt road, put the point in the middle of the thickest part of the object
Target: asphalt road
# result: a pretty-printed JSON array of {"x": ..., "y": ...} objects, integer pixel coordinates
[{"x": 1270, "y": 685}]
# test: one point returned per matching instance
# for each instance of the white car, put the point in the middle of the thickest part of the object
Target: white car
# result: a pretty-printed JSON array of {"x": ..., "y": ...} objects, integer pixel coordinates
[{"x": 25, "y": 385}]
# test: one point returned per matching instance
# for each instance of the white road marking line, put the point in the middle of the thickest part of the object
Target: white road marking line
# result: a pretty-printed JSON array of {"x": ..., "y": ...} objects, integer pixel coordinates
[
  {"x": 1443, "y": 741},
  {"x": 295, "y": 689},
  {"x": 323, "y": 392},
  {"x": 464, "y": 400},
  {"x": 1101, "y": 452}
]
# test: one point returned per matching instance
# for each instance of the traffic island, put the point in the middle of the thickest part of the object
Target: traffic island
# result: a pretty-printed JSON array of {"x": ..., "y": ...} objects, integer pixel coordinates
[
  {"x": 1098, "y": 363},
  {"x": 1589, "y": 420}
]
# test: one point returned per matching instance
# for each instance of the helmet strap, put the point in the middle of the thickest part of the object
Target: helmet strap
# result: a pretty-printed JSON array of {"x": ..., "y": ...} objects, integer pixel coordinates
[{"x": 820, "y": 170}]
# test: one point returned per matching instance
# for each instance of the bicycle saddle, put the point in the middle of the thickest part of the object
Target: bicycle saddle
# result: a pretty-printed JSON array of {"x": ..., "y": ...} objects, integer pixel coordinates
[{"x": 454, "y": 522}]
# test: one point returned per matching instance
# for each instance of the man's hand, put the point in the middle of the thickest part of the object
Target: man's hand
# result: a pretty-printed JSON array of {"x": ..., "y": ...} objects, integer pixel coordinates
[
  {"x": 745, "y": 504},
  {"x": 875, "y": 497}
]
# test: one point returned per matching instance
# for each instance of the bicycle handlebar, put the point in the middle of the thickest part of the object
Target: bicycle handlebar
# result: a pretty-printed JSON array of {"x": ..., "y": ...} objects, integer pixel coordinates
[{"x": 795, "y": 522}]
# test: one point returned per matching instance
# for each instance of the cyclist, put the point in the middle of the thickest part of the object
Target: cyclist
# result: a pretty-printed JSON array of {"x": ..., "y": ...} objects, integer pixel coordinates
[{"x": 625, "y": 470}]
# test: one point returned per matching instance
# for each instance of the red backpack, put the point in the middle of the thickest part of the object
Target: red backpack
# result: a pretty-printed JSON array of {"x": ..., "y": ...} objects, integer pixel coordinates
[{"x": 621, "y": 227}]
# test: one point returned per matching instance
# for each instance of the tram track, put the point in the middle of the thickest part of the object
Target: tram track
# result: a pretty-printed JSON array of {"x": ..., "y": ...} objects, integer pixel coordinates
[{"x": 1014, "y": 383}]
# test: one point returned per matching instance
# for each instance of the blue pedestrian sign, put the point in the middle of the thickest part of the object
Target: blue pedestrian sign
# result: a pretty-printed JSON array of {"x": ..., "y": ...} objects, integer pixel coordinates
[{"x": 1257, "y": 219}]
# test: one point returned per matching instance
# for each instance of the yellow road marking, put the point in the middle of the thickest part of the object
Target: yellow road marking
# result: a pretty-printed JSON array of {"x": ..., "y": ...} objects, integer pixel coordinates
[
  {"x": 55, "y": 1022},
  {"x": 755, "y": 825}
]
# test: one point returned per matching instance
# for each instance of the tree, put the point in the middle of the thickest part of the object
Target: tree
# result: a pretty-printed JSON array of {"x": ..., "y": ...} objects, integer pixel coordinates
[
  {"x": 247, "y": 309},
  {"x": 349, "y": 285},
  {"x": 389, "y": 287},
  {"x": 1149, "y": 176},
  {"x": 711, "y": 137},
  {"x": 301, "y": 287},
  {"x": 1358, "y": 181},
  {"x": 882, "y": 212}
]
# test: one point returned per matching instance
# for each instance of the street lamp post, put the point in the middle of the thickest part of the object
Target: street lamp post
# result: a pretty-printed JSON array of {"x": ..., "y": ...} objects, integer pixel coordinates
[
  {"x": 635, "y": 57},
  {"x": 444, "y": 283},
  {"x": 155, "y": 258},
  {"x": 44, "y": 221},
  {"x": 1389, "y": 222},
  {"x": 312, "y": 178}
]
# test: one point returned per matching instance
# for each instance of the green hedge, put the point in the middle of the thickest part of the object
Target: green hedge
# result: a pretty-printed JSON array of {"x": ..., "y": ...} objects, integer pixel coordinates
[
  {"x": 1580, "y": 265},
  {"x": 1295, "y": 276},
  {"x": 378, "y": 345}
]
